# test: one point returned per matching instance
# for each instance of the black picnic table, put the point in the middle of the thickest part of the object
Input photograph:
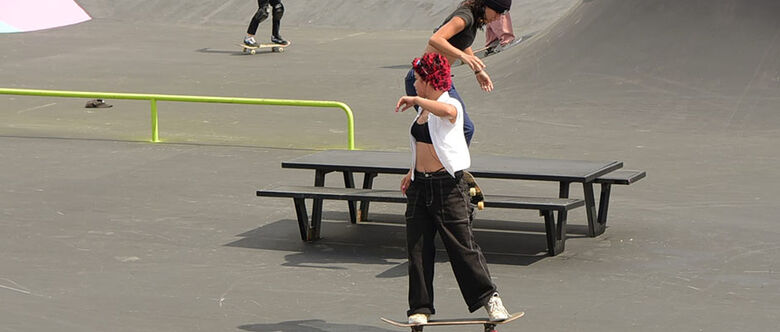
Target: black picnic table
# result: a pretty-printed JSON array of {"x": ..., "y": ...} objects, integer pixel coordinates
[{"x": 372, "y": 163}]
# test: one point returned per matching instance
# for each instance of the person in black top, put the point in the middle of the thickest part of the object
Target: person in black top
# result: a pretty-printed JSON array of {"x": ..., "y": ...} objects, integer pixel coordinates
[
  {"x": 453, "y": 39},
  {"x": 264, "y": 8}
]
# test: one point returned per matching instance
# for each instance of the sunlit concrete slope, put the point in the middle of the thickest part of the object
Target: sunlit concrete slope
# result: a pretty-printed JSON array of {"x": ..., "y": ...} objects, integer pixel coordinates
[
  {"x": 365, "y": 14},
  {"x": 528, "y": 15},
  {"x": 714, "y": 64}
]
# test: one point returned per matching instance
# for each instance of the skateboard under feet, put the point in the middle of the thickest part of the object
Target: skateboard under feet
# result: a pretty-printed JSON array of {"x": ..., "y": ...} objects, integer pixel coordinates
[
  {"x": 490, "y": 326},
  {"x": 274, "y": 47}
]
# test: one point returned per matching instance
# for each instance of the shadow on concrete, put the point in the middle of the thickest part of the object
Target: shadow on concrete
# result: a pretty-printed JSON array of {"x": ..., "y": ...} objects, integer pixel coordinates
[
  {"x": 481, "y": 225},
  {"x": 381, "y": 241},
  {"x": 311, "y": 325}
]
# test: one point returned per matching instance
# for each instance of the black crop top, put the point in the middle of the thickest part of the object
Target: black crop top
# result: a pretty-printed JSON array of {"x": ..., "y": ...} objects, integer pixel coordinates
[{"x": 420, "y": 133}]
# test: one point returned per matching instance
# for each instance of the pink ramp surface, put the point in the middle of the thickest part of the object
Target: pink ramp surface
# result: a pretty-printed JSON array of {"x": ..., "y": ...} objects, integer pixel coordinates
[{"x": 30, "y": 15}]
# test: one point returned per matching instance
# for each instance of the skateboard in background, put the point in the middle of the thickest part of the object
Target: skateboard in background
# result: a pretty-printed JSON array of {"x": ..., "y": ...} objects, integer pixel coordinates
[{"x": 274, "y": 47}]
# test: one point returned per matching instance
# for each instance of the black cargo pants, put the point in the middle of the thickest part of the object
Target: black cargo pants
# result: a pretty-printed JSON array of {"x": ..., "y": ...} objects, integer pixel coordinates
[{"x": 439, "y": 203}]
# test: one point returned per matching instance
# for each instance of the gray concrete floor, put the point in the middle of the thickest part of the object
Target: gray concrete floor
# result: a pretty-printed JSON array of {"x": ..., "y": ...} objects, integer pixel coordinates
[{"x": 102, "y": 230}]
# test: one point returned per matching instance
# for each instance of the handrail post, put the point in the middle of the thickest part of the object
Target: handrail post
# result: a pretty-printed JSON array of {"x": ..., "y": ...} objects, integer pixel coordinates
[
  {"x": 155, "y": 132},
  {"x": 350, "y": 126}
]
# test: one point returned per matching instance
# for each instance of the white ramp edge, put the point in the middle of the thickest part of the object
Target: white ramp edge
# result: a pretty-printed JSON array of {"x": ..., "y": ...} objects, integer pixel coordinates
[{"x": 32, "y": 15}]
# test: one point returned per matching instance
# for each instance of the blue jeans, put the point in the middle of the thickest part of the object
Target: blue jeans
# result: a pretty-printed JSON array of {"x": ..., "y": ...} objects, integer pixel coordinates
[{"x": 468, "y": 126}]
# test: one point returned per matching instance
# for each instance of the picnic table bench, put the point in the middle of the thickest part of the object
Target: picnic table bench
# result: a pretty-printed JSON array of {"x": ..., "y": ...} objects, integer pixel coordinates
[
  {"x": 373, "y": 163},
  {"x": 620, "y": 177},
  {"x": 310, "y": 229}
]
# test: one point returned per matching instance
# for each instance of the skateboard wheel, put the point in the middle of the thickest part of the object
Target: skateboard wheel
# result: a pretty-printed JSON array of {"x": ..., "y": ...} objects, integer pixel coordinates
[
  {"x": 281, "y": 49},
  {"x": 252, "y": 52},
  {"x": 481, "y": 205},
  {"x": 472, "y": 192},
  {"x": 275, "y": 49}
]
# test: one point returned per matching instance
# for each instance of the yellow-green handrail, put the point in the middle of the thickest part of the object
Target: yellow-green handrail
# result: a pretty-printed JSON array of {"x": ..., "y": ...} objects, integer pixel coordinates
[{"x": 153, "y": 98}]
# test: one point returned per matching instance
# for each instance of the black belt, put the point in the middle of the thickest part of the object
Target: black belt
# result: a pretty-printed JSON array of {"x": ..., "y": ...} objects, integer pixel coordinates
[{"x": 436, "y": 175}]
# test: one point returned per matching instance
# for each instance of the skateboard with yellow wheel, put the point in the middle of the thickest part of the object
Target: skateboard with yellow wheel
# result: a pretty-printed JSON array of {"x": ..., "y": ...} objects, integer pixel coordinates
[{"x": 477, "y": 198}]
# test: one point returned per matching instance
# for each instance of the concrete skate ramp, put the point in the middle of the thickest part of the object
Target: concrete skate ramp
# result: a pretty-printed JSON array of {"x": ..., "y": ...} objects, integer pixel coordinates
[
  {"x": 528, "y": 15},
  {"x": 366, "y": 14},
  {"x": 654, "y": 63},
  {"x": 100, "y": 230}
]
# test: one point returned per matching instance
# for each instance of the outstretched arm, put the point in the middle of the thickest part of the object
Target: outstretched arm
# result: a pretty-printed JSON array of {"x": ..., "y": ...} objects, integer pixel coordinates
[{"x": 442, "y": 110}]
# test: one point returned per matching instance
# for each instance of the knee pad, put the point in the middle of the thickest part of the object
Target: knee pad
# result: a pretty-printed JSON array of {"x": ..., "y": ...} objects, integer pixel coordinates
[
  {"x": 278, "y": 11},
  {"x": 262, "y": 14}
]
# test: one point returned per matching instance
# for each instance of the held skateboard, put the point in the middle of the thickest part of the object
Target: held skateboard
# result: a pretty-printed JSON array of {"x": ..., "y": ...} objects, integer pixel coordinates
[
  {"x": 494, "y": 48},
  {"x": 477, "y": 198},
  {"x": 489, "y": 325},
  {"x": 274, "y": 47}
]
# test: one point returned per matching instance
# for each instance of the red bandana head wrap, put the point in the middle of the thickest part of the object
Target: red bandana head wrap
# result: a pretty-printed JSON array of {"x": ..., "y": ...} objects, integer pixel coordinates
[{"x": 434, "y": 69}]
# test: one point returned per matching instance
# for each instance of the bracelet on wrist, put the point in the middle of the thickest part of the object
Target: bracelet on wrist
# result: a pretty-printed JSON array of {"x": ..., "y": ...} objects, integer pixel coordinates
[{"x": 477, "y": 72}]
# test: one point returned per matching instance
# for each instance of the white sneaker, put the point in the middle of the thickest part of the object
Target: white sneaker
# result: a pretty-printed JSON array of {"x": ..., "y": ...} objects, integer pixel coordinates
[
  {"x": 418, "y": 319},
  {"x": 495, "y": 309},
  {"x": 250, "y": 41}
]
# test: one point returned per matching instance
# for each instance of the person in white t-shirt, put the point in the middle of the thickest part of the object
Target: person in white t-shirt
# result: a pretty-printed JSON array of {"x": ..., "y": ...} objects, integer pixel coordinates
[{"x": 437, "y": 196}]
